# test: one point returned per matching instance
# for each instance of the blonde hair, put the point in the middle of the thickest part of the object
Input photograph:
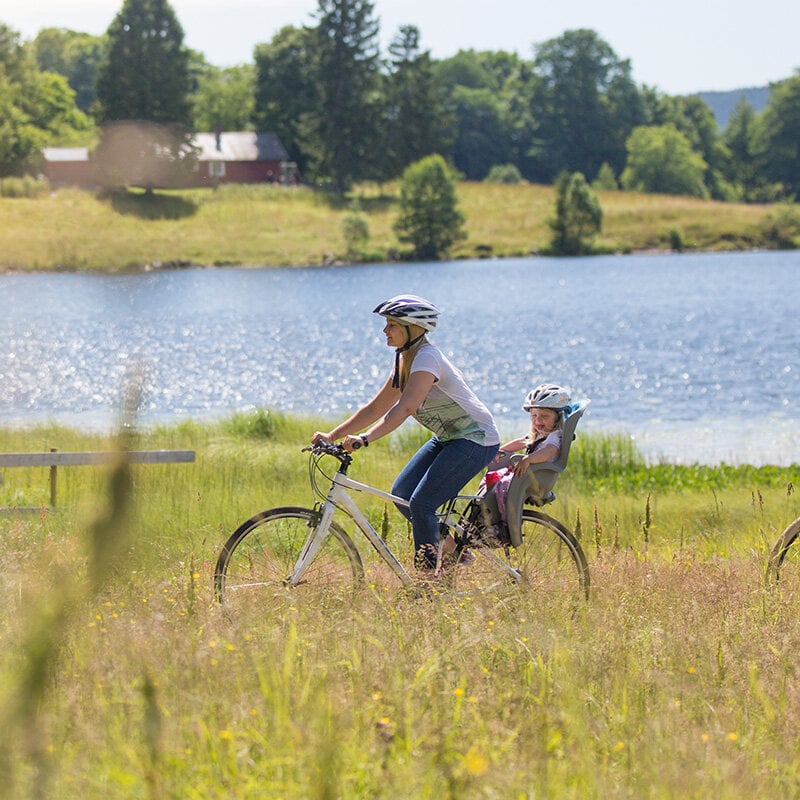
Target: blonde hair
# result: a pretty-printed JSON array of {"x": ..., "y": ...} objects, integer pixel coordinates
[
  {"x": 530, "y": 436},
  {"x": 407, "y": 356}
]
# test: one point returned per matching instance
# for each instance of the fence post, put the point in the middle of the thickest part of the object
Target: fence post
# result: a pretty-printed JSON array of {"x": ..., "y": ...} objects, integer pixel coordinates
[{"x": 53, "y": 481}]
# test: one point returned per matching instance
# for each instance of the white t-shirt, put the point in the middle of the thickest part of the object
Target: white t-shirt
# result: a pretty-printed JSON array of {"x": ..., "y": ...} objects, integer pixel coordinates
[
  {"x": 451, "y": 410},
  {"x": 553, "y": 438}
]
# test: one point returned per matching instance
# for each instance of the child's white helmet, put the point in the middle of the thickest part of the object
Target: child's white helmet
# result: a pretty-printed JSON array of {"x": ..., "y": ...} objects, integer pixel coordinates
[{"x": 547, "y": 395}]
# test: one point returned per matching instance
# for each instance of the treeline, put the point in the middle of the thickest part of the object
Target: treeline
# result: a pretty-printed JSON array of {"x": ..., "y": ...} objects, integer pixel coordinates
[{"x": 347, "y": 112}]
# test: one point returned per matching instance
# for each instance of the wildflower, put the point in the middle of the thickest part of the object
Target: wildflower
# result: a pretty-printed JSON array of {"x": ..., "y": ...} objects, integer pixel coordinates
[{"x": 475, "y": 762}]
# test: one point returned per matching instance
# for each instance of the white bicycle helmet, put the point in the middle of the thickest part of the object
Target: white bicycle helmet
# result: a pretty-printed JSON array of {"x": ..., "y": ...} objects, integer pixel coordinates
[
  {"x": 409, "y": 309},
  {"x": 547, "y": 395}
]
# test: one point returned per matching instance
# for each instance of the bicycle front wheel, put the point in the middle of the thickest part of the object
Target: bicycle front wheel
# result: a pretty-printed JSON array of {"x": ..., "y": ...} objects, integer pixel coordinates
[
  {"x": 259, "y": 556},
  {"x": 549, "y": 562},
  {"x": 784, "y": 560}
]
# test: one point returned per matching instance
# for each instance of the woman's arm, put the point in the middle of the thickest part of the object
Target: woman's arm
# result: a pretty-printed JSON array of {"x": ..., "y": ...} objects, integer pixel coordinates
[
  {"x": 417, "y": 388},
  {"x": 370, "y": 412}
]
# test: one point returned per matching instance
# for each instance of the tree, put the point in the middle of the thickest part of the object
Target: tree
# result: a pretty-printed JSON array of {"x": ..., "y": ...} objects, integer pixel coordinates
[
  {"x": 143, "y": 95},
  {"x": 429, "y": 217},
  {"x": 286, "y": 91},
  {"x": 415, "y": 123},
  {"x": 482, "y": 137},
  {"x": 740, "y": 139},
  {"x": 661, "y": 159},
  {"x": 76, "y": 56},
  {"x": 778, "y": 141},
  {"x": 224, "y": 99},
  {"x": 36, "y": 109},
  {"x": 146, "y": 75},
  {"x": 579, "y": 217},
  {"x": 583, "y": 105},
  {"x": 693, "y": 117},
  {"x": 343, "y": 131}
]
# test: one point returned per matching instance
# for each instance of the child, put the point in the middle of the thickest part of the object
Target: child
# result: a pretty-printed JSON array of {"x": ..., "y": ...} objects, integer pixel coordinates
[{"x": 548, "y": 404}]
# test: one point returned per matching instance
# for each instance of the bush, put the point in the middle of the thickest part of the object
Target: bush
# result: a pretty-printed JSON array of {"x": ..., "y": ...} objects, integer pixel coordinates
[
  {"x": 355, "y": 230},
  {"x": 504, "y": 173},
  {"x": 26, "y": 186},
  {"x": 578, "y": 216},
  {"x": 429, "y": 218}
]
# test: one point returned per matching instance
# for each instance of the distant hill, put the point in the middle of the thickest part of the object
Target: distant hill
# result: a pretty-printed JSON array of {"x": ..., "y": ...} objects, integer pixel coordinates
[{"x": 723, "y": 103}]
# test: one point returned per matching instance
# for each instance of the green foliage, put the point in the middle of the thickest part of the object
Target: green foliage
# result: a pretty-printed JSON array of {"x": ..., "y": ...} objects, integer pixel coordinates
[
  {"x": 36, "y": 109},
  {"x": 146, "y": 76},
  {"x": 76, "y": 56},
  {"x": 740, "y": 139},
  {"x": 583, "y": 105},
  {"x": 261, "y": 423},
  {"x": 606, "y": 180},
  {"x": 343, "y": 129},
  {"x": 504, "y": 173},
  {"x": 676, "y": 239},
  {"x": 286, "y": 93},
  {"x": 578, "y": 218},
  {"x": 355, "y": 231},
  {"x": 783, "y": 226},
  {"x": 224, "y": 99},
  {"x": 429, "y": 218},
  {"x": 778, "y": 143},
  {"x": 661, "y": 159},
  {"x": 483, "y": 137},
  {"x": 416, "y": 122},
  {"x": 26, "y": 186}
]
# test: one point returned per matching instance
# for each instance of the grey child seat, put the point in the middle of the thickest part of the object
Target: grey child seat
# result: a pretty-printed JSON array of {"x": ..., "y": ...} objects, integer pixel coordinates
[{"x": 536, "y": 485}]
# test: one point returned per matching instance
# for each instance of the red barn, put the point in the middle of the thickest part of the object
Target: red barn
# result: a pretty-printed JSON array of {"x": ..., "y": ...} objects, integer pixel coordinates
[
  {"x": 241, "y": 157},
  {"x": 225, "y": 157}
]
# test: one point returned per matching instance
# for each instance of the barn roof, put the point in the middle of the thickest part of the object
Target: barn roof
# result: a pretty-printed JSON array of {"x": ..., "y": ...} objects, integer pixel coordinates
[
  {"x": 66, "y": 153},
  {"x": 231, "y": 146},
  {"x": 240, "y": 146}
]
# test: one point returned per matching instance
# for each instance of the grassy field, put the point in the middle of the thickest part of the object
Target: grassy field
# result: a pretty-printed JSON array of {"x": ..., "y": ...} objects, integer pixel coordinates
[
  {"x": 121, "y": 678},
  {"x": 261, "y": 225}
]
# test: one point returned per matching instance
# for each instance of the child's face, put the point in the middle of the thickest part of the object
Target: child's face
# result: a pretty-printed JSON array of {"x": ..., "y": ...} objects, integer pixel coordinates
[{"x": 543, "y": 420}]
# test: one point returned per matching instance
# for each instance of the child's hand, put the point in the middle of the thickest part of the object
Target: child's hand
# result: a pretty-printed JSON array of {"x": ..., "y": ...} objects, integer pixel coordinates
[{"x": 521, "y": 467}]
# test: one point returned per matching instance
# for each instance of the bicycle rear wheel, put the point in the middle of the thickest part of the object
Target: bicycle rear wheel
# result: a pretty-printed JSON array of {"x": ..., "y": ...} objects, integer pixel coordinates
[
  {"x": 550, "y": 561},
  {"x": 255, "y": 563},
  {"x": 784, "y": 560}
]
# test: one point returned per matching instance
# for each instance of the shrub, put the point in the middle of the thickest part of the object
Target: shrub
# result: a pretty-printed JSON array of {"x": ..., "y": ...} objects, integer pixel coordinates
[
  {"x": 504, "y": 173},
  {"x": 26, "y": 186}
]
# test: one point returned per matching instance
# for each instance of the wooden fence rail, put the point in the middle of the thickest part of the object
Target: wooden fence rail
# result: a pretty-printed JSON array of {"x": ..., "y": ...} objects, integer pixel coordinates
[{"x": 55, "y": 459}]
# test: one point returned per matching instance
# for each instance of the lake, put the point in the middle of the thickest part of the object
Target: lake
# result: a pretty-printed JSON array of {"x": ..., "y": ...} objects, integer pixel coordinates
[{"x": 693, "y": 355}]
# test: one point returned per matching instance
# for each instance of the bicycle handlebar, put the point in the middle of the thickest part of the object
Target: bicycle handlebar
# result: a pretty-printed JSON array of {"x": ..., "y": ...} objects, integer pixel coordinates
[{"x": 329, "y": 449}]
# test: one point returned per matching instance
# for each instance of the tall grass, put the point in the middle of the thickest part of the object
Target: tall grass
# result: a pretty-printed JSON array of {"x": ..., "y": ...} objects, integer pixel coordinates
[{"x": 677, "y": 679}]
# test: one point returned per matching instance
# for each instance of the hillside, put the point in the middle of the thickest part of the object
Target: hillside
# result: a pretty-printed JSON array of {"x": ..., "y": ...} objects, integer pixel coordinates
[{"x": 722, "y": 104}]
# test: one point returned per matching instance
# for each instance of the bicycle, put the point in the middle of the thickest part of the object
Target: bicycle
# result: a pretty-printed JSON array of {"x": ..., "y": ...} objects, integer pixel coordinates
[
  {"x": 784, "y": 553},
  {"x": 295, "y": 548}
]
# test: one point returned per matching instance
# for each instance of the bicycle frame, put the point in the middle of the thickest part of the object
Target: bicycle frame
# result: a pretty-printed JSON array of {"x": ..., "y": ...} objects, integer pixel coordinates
[{"x": 338, "y": 497}]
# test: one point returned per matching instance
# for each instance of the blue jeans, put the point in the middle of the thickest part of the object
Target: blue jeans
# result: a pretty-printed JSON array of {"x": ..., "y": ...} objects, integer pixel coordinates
[{"x": 435, "y": 474}]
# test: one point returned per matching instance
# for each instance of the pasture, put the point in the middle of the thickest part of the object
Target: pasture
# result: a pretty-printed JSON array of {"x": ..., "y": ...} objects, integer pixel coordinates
[{"x": 121, "y": 677}]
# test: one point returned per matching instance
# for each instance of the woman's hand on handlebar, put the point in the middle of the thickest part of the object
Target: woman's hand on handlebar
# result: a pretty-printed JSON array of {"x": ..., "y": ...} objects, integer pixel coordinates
[
  {"x": 350, "y": 443},
  {"x": 321, "y": 436}
]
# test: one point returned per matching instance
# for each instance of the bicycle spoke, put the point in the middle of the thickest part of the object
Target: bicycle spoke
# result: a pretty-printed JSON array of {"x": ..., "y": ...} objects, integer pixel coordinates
[{"x": 259, "y": 557}]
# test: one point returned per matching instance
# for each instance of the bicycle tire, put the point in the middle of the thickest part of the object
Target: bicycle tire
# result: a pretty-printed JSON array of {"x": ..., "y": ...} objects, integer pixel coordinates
[
  {"x": 784, "y": 551},
  {"x": 255, "y": 562},
  {"x": 550, "y": 560}
]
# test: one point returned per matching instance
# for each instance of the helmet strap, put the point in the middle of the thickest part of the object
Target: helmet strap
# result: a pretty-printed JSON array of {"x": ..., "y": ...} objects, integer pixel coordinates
[{"x": 409, "y": 343}]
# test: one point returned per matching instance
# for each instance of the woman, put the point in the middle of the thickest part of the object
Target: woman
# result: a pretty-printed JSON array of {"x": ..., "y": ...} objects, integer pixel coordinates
[{"x": 425, "y": 385}]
